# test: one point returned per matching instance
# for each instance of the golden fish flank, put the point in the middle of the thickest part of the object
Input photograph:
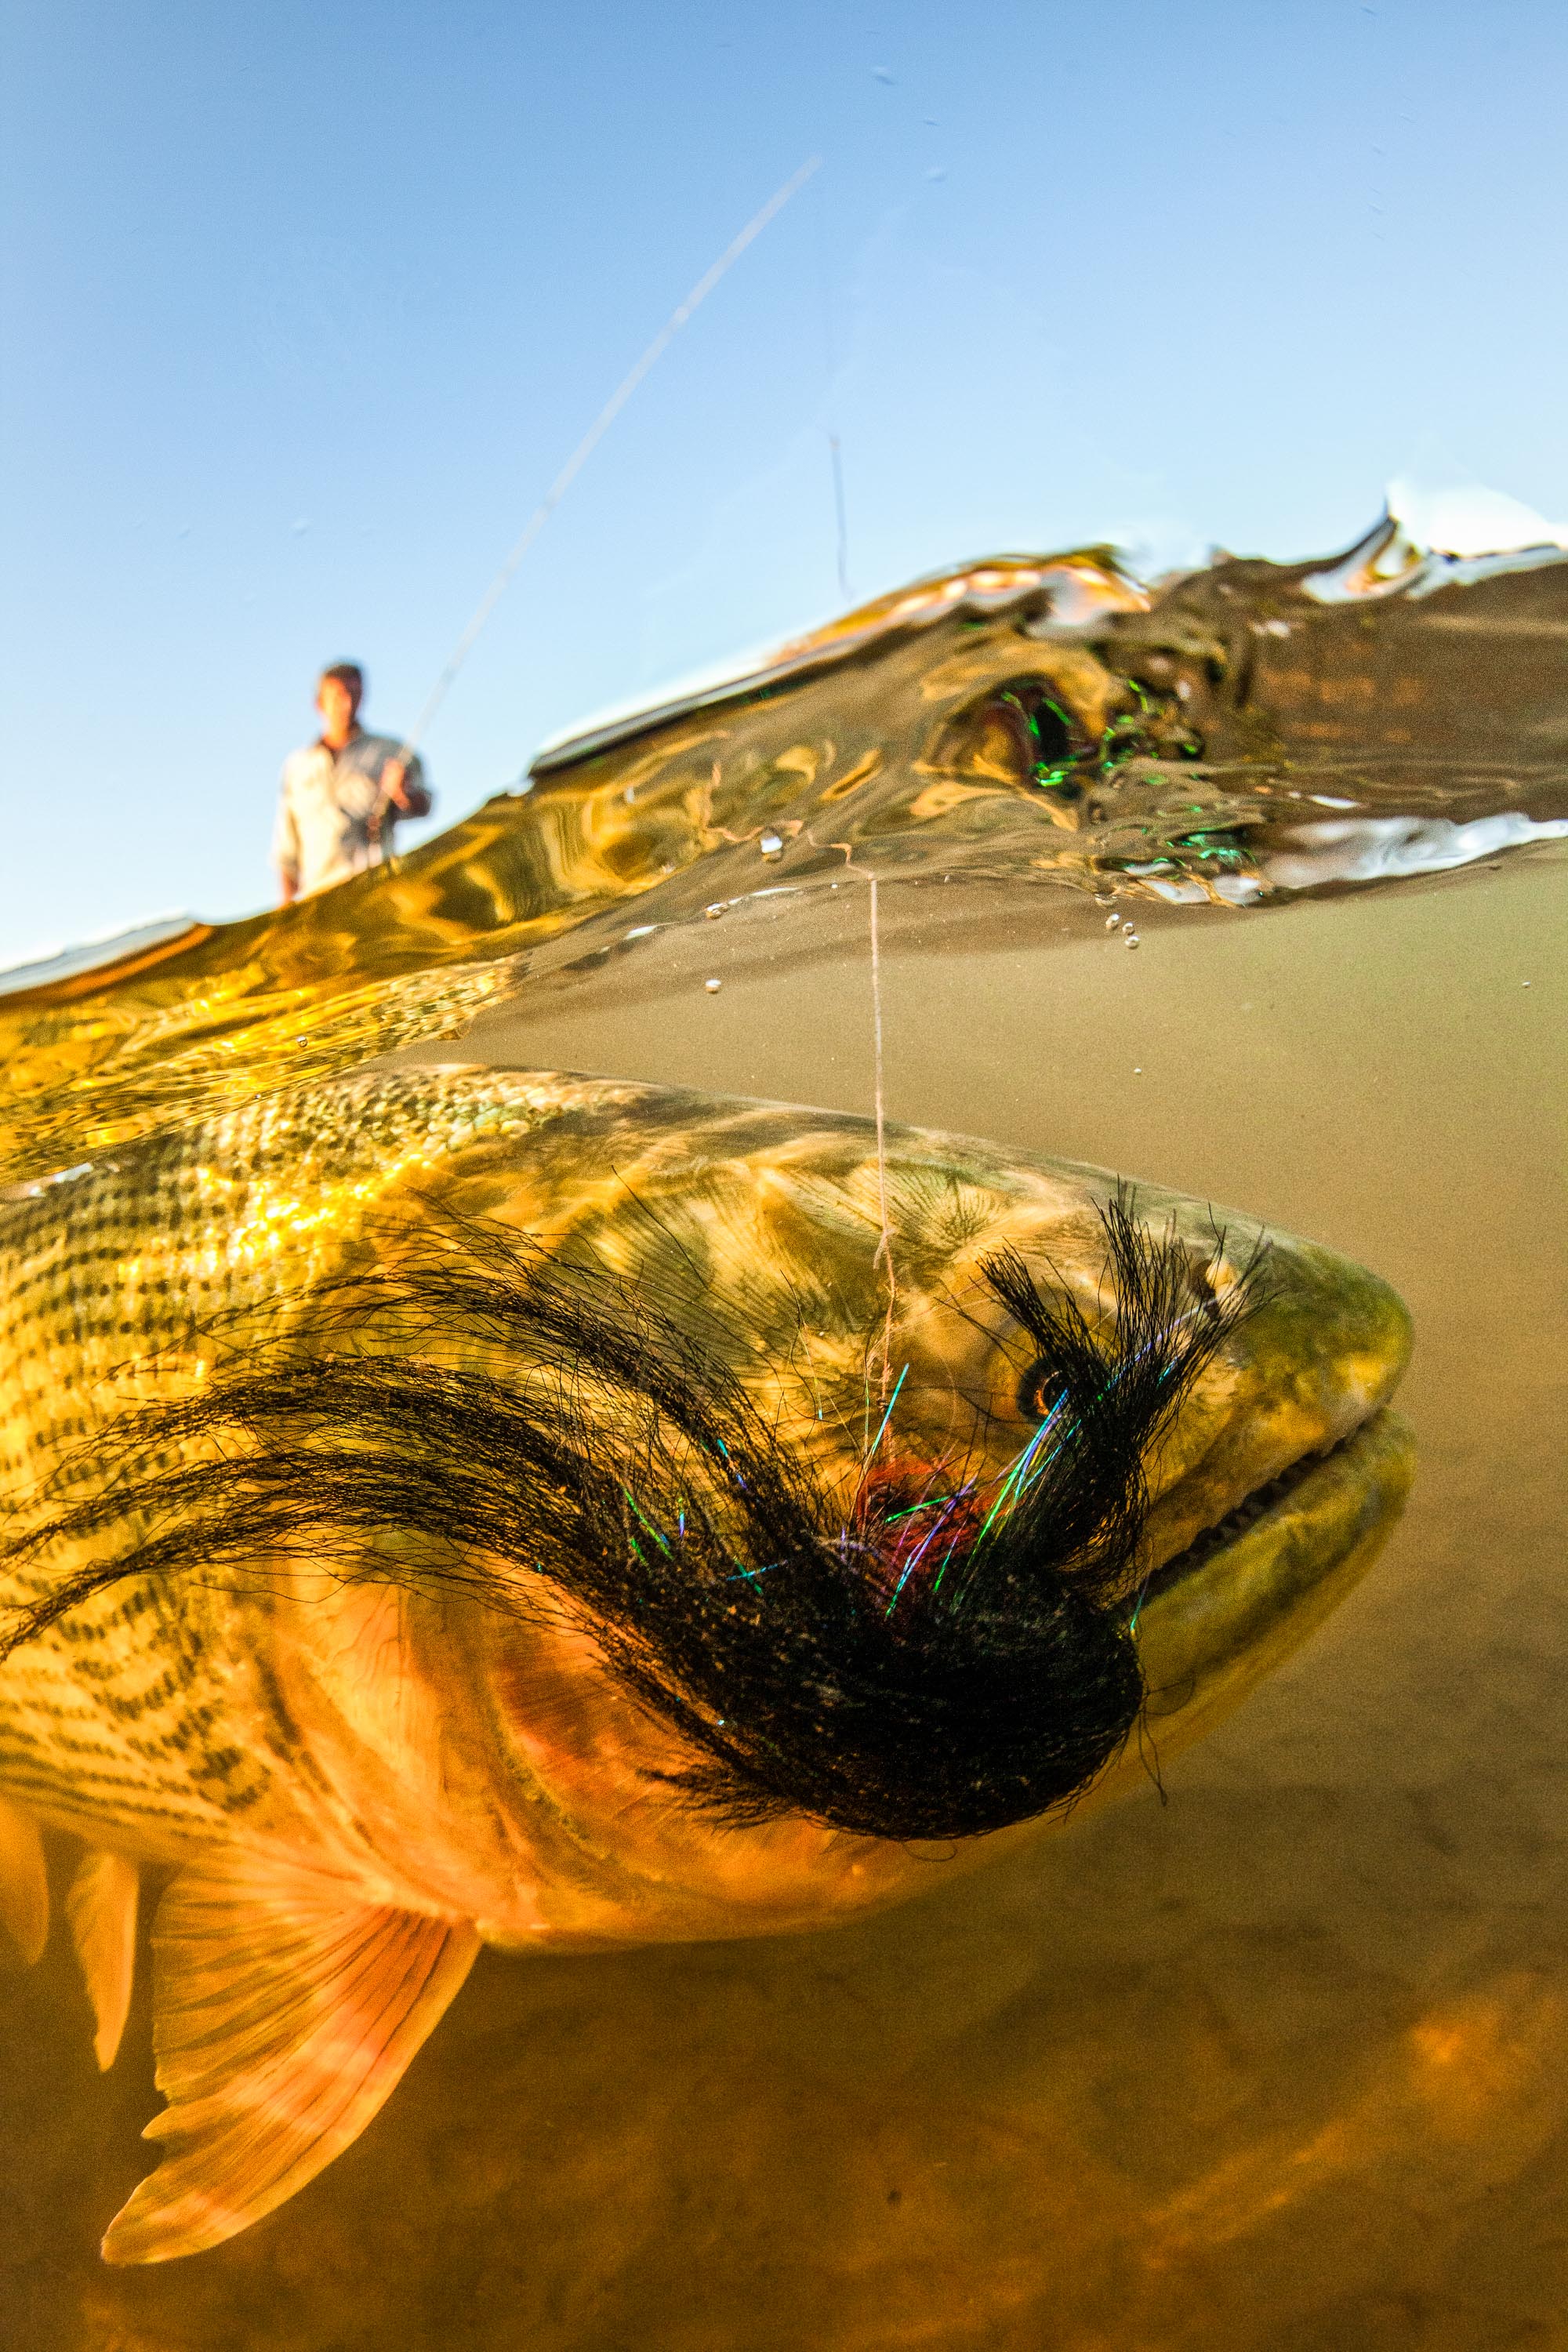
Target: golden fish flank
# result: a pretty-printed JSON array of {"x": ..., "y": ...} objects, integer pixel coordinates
[{"x": 357, "y": 1777}]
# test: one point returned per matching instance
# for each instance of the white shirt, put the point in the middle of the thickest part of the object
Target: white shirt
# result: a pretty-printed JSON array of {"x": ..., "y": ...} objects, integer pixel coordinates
[{"x": 326, "y": 801}]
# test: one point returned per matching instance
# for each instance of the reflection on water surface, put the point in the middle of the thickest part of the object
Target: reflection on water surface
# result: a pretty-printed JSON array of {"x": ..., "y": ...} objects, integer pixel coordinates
[
  {"x": 1277, "y": 2062},
  {"x": 1038, "y": 725}
]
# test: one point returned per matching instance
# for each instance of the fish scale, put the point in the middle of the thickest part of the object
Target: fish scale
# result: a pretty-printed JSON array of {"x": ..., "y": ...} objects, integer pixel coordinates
[{"x": 145, "y": 1711}]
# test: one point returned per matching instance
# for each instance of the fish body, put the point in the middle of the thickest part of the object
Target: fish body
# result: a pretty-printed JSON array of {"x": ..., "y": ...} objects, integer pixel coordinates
[{"x": 353, "y": 1782}]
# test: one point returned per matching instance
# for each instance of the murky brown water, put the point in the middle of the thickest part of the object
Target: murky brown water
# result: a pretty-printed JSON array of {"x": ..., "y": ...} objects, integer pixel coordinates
[{"x": 1280, "y": 2062}]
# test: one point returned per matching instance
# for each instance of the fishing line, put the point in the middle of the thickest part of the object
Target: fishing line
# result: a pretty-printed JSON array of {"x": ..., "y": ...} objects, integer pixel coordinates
[
  {"x": 885, "y": 1246},
  {"x": 590, "y": 442},
  {"x": 841, "y": 516}
]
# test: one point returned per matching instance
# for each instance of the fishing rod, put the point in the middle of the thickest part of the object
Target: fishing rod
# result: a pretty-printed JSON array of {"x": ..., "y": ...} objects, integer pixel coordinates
[{"x": 585, "y": 448}]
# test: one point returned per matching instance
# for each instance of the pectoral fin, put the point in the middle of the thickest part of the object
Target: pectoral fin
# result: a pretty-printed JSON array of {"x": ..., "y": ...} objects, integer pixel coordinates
[
  {"x": 286, "y": 2009},
  {"x": 102, "y": 1905},
  {"x": 23, "y": 1882}
]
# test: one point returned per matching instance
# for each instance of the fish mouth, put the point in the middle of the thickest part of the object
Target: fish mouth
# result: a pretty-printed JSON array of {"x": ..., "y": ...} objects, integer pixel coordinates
[
  {"x": 1276, "y": 1495},
  {"x": 1215, "y": 1618},
  {"x": 1239, "y": 1520}
]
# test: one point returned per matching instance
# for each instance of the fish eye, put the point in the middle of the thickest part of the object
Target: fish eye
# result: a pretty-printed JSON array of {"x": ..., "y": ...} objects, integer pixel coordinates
[
  {"x": 1040, "y": 1391},
  {"x": 1052, "y": 733},
  {"x": 1022, "y": 732}
]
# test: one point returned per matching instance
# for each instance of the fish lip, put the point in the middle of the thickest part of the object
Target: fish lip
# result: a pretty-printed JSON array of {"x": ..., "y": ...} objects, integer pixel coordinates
[
  {"x": 1244, "y": 1517},
  {"x": 1312, "y": 1363}
]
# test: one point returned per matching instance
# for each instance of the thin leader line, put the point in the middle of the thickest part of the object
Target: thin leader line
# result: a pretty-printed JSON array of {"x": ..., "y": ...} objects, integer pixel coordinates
[
  {"x": 841, "y": 516},
  {"x": 885, "y": 1246}
]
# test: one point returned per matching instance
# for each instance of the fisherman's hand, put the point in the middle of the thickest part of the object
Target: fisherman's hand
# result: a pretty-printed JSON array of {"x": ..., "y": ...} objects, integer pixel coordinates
[{"x": 393, "y": 778}]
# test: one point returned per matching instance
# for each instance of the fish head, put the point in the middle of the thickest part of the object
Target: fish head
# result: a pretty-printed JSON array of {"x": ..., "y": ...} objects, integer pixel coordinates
[{"x": 887, "y": 1327}]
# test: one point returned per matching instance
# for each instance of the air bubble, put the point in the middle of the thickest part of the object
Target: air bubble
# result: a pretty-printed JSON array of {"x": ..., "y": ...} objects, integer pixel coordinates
[
  {"x": 1131, "y": 938},
  {"x": 1113, "y": 922},
  {"x": 770, "y": 845},
  {"x": 712, "y": 986},
  {"x": 715, "y": 910}
]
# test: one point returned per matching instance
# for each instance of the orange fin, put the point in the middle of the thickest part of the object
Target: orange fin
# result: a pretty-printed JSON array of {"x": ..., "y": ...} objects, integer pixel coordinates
[
  {"x": 102, "y": 1905},
  {"x": 286, "y": 2009},
  {"x": 23, "y": 1882}
]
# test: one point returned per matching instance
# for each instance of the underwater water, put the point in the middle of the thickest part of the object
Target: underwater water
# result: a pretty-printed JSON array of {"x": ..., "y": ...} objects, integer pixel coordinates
[{"x": 1273, "y": 2057}]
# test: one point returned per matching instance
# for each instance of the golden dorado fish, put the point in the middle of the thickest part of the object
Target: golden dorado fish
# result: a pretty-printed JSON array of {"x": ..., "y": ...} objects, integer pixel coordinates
[{"x": 466, "y": 1505}]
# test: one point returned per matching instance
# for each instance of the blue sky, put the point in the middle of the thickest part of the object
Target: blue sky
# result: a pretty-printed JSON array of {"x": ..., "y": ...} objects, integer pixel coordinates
[{"x": 303, "y": 306}]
